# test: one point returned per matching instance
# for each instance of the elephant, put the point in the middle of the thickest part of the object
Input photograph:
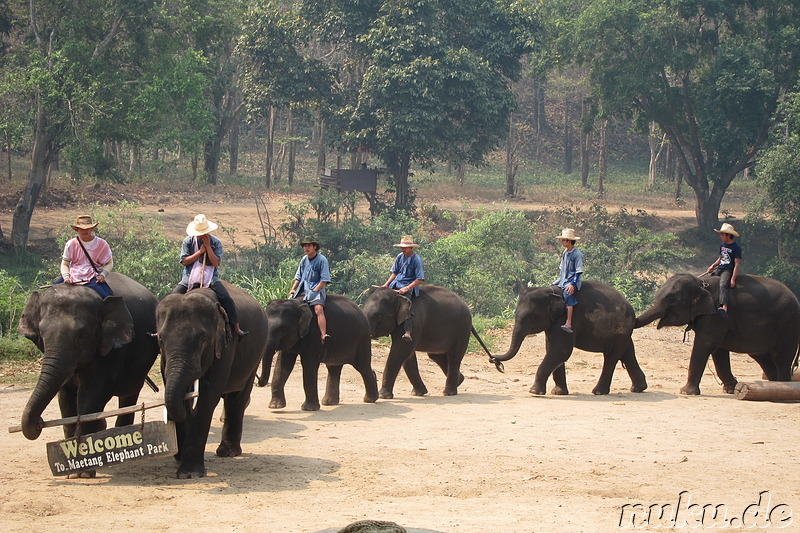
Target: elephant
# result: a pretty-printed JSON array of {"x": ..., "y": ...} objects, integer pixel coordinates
[
  {"x": 442, "y": 325},
  {"x": 602, "y": 322},
  {"x": 93, "y": 348},
  {"x": 292, "y": 331},
  {"x": 763, "y": 321},
  {"x": 197, "y": 343}
]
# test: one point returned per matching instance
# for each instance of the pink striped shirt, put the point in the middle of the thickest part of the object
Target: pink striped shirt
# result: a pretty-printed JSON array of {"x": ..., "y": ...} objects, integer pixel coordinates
[{"x": 80, "y": 270}]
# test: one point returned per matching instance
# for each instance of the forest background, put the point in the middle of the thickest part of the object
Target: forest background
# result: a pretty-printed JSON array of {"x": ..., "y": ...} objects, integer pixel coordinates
[{"x": 595, "y": 108}]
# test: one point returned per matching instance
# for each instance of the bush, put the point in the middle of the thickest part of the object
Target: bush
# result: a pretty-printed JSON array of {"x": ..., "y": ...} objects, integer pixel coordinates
[{"x": 12, "y": 301}]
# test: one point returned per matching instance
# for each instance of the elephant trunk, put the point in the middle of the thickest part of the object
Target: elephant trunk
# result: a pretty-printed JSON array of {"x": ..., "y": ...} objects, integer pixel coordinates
[
  {"x": 53, "y": 375},
  {"x": 266, "y": 366},
  {"x": 517, "y": 337},
  {"x": 177, "y": 380},
  {"x": 653, "y": 313}
]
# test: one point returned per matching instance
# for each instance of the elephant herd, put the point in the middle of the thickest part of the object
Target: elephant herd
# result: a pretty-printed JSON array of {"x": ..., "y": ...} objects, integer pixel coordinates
[{"x": 96, "y": 348}]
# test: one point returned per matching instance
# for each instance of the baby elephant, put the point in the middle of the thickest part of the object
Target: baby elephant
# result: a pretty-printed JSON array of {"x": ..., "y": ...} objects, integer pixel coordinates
[{"x": 293, "y": 331}]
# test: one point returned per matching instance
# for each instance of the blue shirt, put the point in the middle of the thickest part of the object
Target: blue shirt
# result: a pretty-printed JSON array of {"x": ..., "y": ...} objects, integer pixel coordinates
[
  {"x": 406, "y": 270},
  {"x": 570, "y": 269},
  {"x": 727, "y": 254},
  {"x": 190, "y": 246},
  {"x": 309, "y": 273}
]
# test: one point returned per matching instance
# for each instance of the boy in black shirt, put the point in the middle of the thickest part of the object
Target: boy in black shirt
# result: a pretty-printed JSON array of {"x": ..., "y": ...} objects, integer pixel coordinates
[{"x": 727, "y": 264}]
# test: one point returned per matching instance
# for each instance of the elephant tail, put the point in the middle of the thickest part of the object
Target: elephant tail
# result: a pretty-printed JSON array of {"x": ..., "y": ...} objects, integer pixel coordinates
[
  {"x": 266, "y": 366},
  {"x": 492, "y": 359}
]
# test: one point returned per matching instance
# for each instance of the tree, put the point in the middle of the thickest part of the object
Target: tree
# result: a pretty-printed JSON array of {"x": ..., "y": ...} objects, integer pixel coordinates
[
  {"x": 436, "y": 84},
  {"x": 708, "y": 72}
]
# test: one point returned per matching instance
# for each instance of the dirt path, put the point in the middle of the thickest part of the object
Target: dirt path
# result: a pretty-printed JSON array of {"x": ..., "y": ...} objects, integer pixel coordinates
[{"x": 493, "y": 458}]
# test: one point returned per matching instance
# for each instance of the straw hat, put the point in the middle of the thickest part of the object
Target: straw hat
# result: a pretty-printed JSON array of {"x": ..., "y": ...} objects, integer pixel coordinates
[
  {"x": 568, "y": 233},
  {"x": 83, "y": 222},
  {"x": 727, "y": 228},
  {"x": 200, "y": 226},
  {"x": 407, "y": 242},
  {"x": 310, "y": 240}
]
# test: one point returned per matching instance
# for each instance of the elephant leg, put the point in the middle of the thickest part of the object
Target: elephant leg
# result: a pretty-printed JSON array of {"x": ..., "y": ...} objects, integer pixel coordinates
[
  {"x": 283, "y": 368},
  {"x": 192, "y": 463},
  {"x": 370, "y": 382},
  {"x": 332, "y": 385},
  {"x": 411, "y": 368},
  {"x": 68, "y": 403},
  {"x": 235, "y": 404},
  {"x": 127, "y": 401},
  {"x": 697, "y": 365},
  {"x": 560, "y": 379},
  {"x": 722, "y": 364},
  {"x": 635, "y": 372},
  {"x": 767, "y": 364},
  {"x": 395, "y": 361},
  {"x": 556, "y": 355},
  {"x": 310, "y": 374},
  {"x": 451, "y": 366}
]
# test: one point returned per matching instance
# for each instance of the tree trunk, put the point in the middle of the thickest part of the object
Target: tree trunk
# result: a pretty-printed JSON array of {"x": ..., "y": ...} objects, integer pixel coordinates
[
  {"x": 601, "y": 173},
  {"x": 320, "y": 146},
  {"x": 460, "y": 173},
  {"x": 233, "y": 143},
  {"x": 40, "y": 163},
  {"x": 511, "y": 161},
  {"x": 399, "y": 170},
  {"x": 270, "y": 147},
  {"x": 567, "y": 139},
  {"x": 290, "y": 146},
  {"x": 678, "y": 180},
  {"x": 211, "y": 153},
  {"x": 585, "y": 146},
  {"x": 8, "y": 154}
]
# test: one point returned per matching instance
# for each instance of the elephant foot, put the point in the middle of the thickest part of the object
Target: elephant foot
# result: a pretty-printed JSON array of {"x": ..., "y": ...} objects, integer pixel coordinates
[
  {"x": 385, "y": 394},
  {"x": 450, "y": 392},
  {"x": 333, "y": 400},
  {"x": 310, "y": 406},
  {"x": 370, "y": 399},
  {"x": 277, "y": 403},
  {"x": 690, "y": 390},
  {"x": 419, "y": 392},
  {"x": 639, "y": 388},
  {"x": 538, "y": 390},
  {"x": 729, "y": 388},
  {"x": 228, "y": 450},
  {"x": 601, "y": 391},
  {"x": 191, "y": 473},
  {"x": 559, "y": 391},
  {"x": 86, "y": 474}
]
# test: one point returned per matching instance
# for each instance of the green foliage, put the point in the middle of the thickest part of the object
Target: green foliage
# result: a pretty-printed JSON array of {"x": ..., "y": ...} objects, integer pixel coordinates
[
  {"x": 13, "y": 296},
  {"x": 16, "y": 348}
]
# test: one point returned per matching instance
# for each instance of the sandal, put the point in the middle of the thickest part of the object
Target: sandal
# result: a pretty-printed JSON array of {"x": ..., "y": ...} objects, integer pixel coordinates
[{"x": 567, "y": 329}]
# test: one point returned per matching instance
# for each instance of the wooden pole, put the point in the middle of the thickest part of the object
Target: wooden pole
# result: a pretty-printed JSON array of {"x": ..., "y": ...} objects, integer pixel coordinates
[
  {"x": 103, "y": 414},
  {"x": 768, "y": 390}
]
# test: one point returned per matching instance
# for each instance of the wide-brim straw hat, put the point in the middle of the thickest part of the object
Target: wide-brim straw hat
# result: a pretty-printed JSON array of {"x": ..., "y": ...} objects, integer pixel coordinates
[
  {"x": 309, "y": 240},
  {"x": 727, "y": 228},
  {"x": 568, "y": 233},
  {"x": 200, "y": 226},
  {"x": 83, "y": 222},
  {"x": 407, "y": 241}
]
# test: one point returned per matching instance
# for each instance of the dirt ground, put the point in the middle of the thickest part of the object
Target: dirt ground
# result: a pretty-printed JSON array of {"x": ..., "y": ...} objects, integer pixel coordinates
[{"x": 492, "y": 458}]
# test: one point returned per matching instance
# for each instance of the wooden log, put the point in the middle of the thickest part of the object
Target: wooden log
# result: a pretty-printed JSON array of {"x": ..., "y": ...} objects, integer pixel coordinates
[
  {"x": 768, "y": 390},
  {"x": 103, "y": 414}
]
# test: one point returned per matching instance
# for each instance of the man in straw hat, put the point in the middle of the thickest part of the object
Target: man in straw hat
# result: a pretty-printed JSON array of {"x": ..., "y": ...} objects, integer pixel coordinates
[
  {"x": 87, "y": 258},
  {"x": 201, "y": 254},
  {"x": 727, "y": 264},
  {"x": 407, "y": 274},
  {"x": 312, "y": 276},
  {"x": 570, "y": 272}
]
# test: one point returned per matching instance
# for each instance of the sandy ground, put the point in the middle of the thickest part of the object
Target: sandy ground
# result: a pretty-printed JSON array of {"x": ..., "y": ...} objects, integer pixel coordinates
[{"x": 492, "y": 458}]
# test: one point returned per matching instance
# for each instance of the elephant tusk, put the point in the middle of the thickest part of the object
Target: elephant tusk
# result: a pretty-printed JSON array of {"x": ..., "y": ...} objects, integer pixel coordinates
[
  {"x": 196, "y": 392},
  {"x": 166, "y": 415}
]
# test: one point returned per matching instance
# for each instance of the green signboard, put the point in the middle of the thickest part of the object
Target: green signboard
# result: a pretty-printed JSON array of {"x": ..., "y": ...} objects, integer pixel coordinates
[{"x": 112, "y": 447}]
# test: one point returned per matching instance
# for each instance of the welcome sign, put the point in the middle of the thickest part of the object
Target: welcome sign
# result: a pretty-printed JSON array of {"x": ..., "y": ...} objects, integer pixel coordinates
[{"x": 112, "y": 447}]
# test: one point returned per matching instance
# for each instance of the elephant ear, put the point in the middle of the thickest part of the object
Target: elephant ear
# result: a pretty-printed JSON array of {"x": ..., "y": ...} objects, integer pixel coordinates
[
  {"x": 403, "y": 308},
  {"x": 116, "y": 324},
  {"x": 702, "y": 303},
  {"x": 29, "y": 322},
  {"x": 555, "y": 306},
  {"x": 223, "y": 334},
  {"x": 305, "y": 319}
]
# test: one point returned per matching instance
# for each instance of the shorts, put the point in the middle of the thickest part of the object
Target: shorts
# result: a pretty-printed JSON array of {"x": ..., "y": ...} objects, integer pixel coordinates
[{"x": 312, "y": 298}]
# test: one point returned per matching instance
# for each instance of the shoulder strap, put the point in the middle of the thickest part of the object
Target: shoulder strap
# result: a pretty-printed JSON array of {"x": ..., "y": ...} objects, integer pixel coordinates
[{"x": 94, "y": 267}]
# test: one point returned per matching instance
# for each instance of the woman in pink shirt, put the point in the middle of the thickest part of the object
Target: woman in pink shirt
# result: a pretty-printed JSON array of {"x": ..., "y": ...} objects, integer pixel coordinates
[{"x": 87, "y": 258}]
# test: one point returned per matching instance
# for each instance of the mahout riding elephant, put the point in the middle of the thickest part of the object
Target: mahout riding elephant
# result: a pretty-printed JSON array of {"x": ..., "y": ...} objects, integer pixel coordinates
[
  {"x": 93, "y": 348},
  {"x": 292, "y": 330},
  {"x": 196, "y": 343},
  {"x": 763, "y": 321},
  {"x": 442, "y": 325},
  {"x": 602, "y": 322}
]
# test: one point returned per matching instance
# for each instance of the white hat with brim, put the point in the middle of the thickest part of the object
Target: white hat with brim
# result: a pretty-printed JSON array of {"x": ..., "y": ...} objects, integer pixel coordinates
[
  {"x": 568, "y": 233},
  {"x": 407, "y": 242},
  {"x": 200, "y": 226},
  {"x": 83, "y": 222},
  {"x": 727, "y": 228}
]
